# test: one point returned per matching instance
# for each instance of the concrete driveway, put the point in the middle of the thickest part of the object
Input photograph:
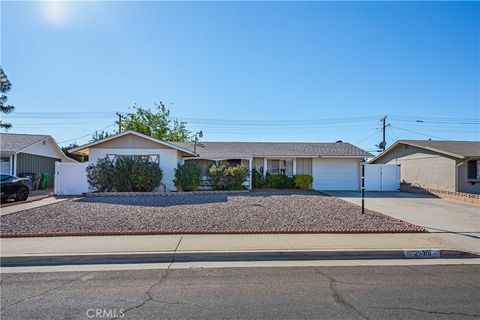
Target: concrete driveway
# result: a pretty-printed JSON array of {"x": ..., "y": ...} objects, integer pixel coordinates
[{"x": 457, "y": 223}]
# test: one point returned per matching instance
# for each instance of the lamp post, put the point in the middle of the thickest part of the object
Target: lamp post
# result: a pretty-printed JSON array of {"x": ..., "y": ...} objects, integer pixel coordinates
[
  {"x": 199, "y": 134},
  {"x": 362, "y": 164}
]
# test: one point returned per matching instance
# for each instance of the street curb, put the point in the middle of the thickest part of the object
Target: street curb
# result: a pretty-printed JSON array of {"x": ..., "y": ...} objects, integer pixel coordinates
[
  {"x": 153, "y": 232},
  {"x": 206, "y": 256}
]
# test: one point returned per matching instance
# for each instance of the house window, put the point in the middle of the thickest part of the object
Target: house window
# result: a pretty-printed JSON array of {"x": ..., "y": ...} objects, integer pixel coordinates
[
  {"x": 474, "y": 169},
  {"x": 284, "y": 166},
  {"x": 152, "y": 158}
]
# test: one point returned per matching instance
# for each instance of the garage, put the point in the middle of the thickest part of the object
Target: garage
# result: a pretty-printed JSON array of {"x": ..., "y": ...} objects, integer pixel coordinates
[{"x": 336, "y": 174}]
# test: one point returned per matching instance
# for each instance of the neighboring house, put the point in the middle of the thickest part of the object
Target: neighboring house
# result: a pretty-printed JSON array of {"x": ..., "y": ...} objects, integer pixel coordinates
[
  {"x": 22, "y": 154},
  {"x": 334, "y": 166},
  {"x": 441, "y": 165}
]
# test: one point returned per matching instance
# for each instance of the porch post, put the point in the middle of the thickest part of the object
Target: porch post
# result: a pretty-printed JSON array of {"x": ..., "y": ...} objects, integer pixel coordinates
[
  {"x": 294, "y": 166},
  {"x": 250, "y": 168},
  {"x": 264, "y": 167}
]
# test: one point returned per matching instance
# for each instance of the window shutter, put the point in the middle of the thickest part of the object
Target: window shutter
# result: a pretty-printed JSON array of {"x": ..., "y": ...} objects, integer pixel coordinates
[{"x": 472, "y": 169}]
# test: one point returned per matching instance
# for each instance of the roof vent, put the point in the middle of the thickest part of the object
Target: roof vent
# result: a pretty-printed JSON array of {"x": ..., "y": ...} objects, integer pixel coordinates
[{"x": 339, "y": 141}]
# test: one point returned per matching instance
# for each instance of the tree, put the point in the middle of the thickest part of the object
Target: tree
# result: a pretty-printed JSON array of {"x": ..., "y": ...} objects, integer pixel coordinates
[
  {"x": 156, "y": 123},
  {"x": 98, "y": 135},
  {"x": 5, "y": 87}
]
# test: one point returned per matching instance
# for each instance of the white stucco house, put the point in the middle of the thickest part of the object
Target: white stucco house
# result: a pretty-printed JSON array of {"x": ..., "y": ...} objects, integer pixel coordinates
[{"x": 334, "y": 166}]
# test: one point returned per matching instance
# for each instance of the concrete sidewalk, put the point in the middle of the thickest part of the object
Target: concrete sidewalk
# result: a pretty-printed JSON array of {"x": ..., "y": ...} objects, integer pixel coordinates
[
  {"x": 20, "y": 206},
  {"x": 217, "y": 243}
]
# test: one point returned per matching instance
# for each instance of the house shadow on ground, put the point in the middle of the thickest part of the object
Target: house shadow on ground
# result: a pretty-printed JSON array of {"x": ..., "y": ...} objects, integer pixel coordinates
[{"x": 192, "y": 199}]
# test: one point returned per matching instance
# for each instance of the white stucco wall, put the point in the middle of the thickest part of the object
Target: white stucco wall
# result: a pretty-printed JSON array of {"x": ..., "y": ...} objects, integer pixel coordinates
[
  {"x": 423, "y": 168},
  {"x": 168, "y": 160},
  {"x": 47, "y": 148}
]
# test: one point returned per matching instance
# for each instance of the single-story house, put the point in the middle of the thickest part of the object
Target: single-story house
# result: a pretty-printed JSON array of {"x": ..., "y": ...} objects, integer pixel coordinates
[
  {"x": 441, "y": 165},
  {"x": 334, "y": 166},
  {"x": 22, "y": 154}
]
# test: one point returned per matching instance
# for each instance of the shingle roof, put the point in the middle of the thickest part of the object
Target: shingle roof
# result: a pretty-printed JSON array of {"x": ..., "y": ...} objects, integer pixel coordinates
[
  {"x": 223, "y": 150},
  {"x": 459, "y": 148},
  {"x": 13, "y": 142}
]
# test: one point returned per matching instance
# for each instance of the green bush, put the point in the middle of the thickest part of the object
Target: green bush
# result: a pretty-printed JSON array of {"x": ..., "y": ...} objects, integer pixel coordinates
[
  {"x": 258, "y": 180},
  {"x": 227, "y": 177},
  {"x": 216, "y": 174},
  {"x": 302, "y": 181},
  {"x": 279, "y": 181},
  {"x": 235, "y": 176},
  {"x": 188, "y": 177},
  {"x": 124, "y": 175},
  {"x": 100, "y": 175}
]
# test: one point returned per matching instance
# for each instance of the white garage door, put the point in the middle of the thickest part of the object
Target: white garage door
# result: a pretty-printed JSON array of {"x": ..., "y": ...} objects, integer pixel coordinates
[{"x": 335, "y": 174}]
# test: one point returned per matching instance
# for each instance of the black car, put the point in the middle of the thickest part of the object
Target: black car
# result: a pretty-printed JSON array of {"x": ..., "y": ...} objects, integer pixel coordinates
[{"x": 13, "y": 187}]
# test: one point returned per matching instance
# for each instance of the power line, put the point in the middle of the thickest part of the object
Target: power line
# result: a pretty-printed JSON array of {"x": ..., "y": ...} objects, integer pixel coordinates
[
  {"x": 419, "y": 133},
  {"x": 87, "y": 135},
  {"x": 369, "y": 136}
]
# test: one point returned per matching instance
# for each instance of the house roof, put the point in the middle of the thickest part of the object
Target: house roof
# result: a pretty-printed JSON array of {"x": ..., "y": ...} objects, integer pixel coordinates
[
  {"x": 121, "y": 134},
  {"x": 457, "y": 149},
  {"x": 12, "y": 143},
  {"x": 246, "y": 150}
]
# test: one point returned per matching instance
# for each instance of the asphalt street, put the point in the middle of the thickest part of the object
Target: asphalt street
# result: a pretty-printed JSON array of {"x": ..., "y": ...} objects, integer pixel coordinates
[{"x": 370, "y": 292}]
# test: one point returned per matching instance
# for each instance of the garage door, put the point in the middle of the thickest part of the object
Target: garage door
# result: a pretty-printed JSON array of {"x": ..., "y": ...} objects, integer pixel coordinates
[{"x": 335, "y": 174}]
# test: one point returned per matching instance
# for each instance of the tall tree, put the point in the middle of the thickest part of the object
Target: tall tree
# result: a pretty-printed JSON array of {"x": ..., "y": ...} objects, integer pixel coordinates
[
  {"x": 156, "y": 123},
  {"x": 5, "y": 87},
  {"x": 98, "y": 135}
]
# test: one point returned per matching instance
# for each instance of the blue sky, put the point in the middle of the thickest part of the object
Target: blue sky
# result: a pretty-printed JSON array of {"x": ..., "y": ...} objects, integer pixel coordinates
[{"x": 291, "y": 67}]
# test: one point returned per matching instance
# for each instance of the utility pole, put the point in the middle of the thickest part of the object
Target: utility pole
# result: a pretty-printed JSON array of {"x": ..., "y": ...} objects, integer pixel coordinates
[
  {"x": 120, "y": 117},
  {"x": 383, "y": 143}
]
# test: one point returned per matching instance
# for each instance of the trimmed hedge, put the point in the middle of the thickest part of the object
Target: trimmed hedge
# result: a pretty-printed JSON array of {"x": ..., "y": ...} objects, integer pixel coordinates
[
  {"x": 279, "y": 181},
  {"x": 227, "y": 177},
  {"x": 302, "y": 181},
  {"x": 188, "y": 177}
]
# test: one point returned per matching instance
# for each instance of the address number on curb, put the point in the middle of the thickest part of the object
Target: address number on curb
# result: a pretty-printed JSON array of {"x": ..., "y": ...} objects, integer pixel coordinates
[{"x": 421, "y": 253}]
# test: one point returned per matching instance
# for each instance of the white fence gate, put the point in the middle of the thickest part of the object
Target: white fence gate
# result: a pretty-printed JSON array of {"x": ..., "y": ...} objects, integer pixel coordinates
[
  {"x": 70, "y": 178},
  {"x": 382, "y": 177}
]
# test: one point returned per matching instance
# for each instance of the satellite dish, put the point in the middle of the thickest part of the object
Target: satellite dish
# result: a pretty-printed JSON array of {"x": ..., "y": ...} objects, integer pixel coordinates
[{"x": 382, "y": 144}]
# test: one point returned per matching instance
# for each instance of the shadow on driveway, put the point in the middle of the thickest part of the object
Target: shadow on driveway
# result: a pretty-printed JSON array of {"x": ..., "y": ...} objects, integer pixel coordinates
[{"x": 380, "y": 194}]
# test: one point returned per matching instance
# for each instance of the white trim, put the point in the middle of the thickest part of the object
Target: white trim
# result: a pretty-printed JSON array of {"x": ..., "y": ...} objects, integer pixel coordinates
[
  {"x": 265, "y": 163},
  {"x": 63, "y": 156},
  {"x": 14, "y": 170},
  {"x": 294, "y": 170},
  {"x": 121, "y": 134},
  {"x": 216, "y": 159},
  {"x": 417, "y": 146}
]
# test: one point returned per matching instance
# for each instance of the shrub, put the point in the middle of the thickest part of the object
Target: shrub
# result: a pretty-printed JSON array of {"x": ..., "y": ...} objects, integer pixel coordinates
[
  {"x": 235, "y": 176},
  {"x": 100, "y": 175},
  {"x": 146, "y": 176},
  {"x": 227, "y": 177},
  {"x": 125, "y": 175},
  {"x": 258, "y": 180},
  {"x": 279, "y": 181},
  {"x": 188, "y": 177},
  {"x": 216, "y": 174},
  {"x": 302, "y": 181}
]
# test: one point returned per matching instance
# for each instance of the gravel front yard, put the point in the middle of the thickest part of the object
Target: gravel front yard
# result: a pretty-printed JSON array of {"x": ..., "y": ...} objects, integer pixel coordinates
[{"x": 252, "y": 212}]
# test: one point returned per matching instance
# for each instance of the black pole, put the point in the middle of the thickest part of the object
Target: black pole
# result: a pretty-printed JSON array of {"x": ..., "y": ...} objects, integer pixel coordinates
[
  {"x": 119, "y": 121},
  {"x": 363, "y": 186},
  {"x": 384, "y": 127}
]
